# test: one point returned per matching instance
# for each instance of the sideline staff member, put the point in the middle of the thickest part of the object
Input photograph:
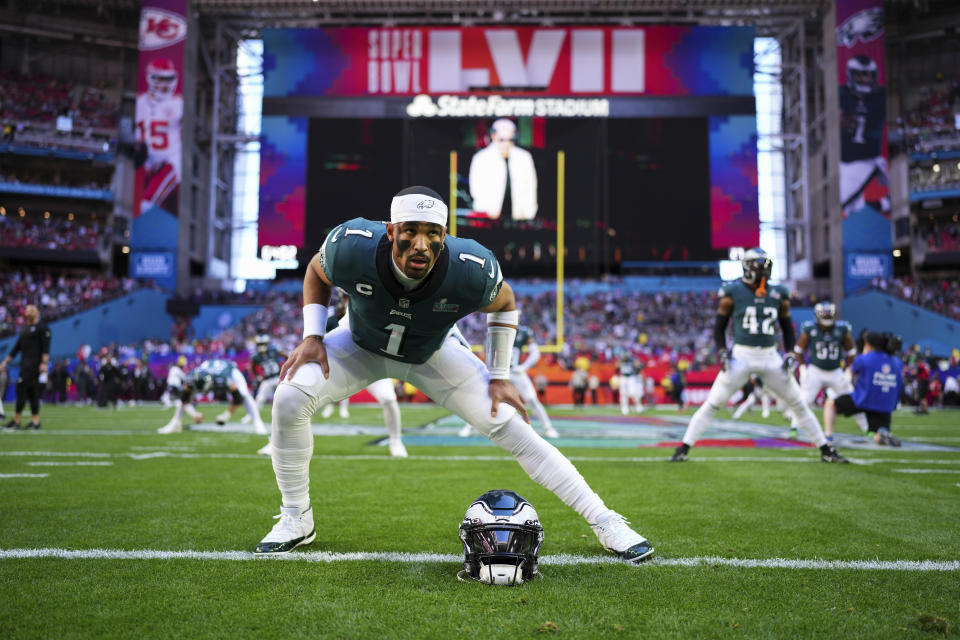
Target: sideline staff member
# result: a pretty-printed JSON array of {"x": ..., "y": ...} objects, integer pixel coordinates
[
  {"x": 33, "y": 345},
  {"x": 879, "y": 383}
]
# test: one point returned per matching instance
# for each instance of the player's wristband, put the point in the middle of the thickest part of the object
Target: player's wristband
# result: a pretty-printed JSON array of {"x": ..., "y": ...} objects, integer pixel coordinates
[
  {"x": 314, "y": 320},
  {"x": 852, "y": 352},
  {"x": 499, "y": 343},
  {"x": 797, "y": 350}
]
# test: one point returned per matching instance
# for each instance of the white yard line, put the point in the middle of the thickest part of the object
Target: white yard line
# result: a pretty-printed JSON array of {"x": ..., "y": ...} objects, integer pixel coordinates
[
  {"x": 70, "y": 464},
  {"x": 5, "y": 476},
  {"x": 552, "y": 560},
  {"x": 926, "y": 470},
  {"x": 144, "y": 455}
]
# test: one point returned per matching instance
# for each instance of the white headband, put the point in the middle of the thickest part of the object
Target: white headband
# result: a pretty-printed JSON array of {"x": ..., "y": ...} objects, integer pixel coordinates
[{"x": 417, "y": 207}]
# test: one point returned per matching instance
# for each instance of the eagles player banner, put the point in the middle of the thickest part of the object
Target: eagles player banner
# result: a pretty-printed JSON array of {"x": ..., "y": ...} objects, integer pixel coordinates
[
  {"x": 864, "y": 188},
  {"x": 159, "y": 112}
]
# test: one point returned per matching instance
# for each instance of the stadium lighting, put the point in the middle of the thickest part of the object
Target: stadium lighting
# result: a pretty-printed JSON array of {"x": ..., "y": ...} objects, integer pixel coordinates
[
  {"x": 125, "y": 250},
  {"x": 3, "y": 211},
  {"x": 46, "y": 215},
  {"x": 936, "y": 168},
  {"x": 896, "y": 253},
  {"x": 70, "y": 216}
]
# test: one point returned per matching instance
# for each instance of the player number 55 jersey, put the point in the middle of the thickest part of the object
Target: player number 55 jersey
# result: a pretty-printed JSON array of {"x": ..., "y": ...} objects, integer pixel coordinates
[
  {"x": 825, "y": 346},
  {"x": 755, "y": 317}
]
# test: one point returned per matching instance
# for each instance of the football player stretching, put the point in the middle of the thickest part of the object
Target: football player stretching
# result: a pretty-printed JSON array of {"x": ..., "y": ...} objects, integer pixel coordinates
[
  {"x": 756, "y": 308},
  {"x": 408, "y": 283}
]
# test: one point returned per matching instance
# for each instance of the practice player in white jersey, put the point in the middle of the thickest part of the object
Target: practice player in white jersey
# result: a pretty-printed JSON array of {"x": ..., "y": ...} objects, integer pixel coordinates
[
  {"x": 830, "y": 343},
  {"x": 172, "y": 395},
  {"x": 756, "y": 308},
  {"x": 409, "y": 283},
  {"x": 159, "y": 114}
]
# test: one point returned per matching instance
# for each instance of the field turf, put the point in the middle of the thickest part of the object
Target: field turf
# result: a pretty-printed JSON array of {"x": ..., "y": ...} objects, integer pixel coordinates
[{"x": 752, "y": 543}]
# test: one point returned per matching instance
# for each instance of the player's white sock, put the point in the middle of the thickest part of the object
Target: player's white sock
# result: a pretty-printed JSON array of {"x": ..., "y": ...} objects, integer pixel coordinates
[
  {"x": 548, "y": 467},
  {"x": 292, "y": 444},
  {"x": 253, "y": 411},
  {"x": 808, "y": 422},
  {"x": 744, "y": 406},
  {"x": 699, "y": 423},
  {"x": 193, "y": 413},
  {"x": 391, "y": 417},
  {"x": 540, "y": 413},
  {"x": 861, "y": 419},
  {"x": 178, "y": 410}
]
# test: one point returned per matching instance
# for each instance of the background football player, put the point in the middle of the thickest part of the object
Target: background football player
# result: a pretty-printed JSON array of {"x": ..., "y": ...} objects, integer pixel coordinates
[
  {"x": 863, "y": 169},
  {"x": 521, "y": 380},
  {"x": 265, "y": 368},
  {"x": 831, "y": 345},
  {"x": 409, "y": 283},
  {"x": 631, "y": 382},
  {"x": 756, "y": 308},
  {"x": 159, "y": 114},
  {"x": 213, "y": 376}
]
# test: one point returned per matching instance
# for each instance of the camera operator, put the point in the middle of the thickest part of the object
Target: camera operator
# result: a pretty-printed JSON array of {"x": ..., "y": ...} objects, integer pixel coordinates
[{"x": 878, "y": 374}]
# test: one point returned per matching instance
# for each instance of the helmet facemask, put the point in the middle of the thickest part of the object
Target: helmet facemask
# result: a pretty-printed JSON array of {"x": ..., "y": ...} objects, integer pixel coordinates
[
  {"x": 826, "y": 313},
  {"x": 757, "y": 266}
]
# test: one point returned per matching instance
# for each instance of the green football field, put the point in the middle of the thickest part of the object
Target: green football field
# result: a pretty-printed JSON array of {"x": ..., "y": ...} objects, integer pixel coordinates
[{"x": 111, "y": 530}]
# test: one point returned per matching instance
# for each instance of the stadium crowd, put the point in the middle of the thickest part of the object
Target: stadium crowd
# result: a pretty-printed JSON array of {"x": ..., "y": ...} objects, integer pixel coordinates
[
  {"x": 54, "y": 233},
  {"x": 56, "y": 296},
  {"x": 942, "y": 296},
  {"x": 939, "y": 235},
  {"x": 929, "y": 124}
]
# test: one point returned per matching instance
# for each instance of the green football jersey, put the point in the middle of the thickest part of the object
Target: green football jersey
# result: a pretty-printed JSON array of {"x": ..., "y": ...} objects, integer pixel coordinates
[
  {"x": 523, "y": 338},
  {"x": 826, "y": 344},
  {"x": 408, "y": 326},
  {"x": 220, "y": 370},
  {"x": 267, "y": 365},
  {"x": 755, "y": 317}
]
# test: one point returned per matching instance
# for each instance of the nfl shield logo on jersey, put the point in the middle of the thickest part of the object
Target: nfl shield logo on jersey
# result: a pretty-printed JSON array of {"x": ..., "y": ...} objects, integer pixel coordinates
[{"x": 404, "y": 303}]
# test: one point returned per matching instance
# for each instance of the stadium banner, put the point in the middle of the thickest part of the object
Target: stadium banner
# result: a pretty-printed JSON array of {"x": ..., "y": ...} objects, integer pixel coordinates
[
  {"x": 517, "y": 60},
  {"x": 159, "y": 114},
  {"x": 156, "y": 265},
  {"x": 864, "y": 186}
]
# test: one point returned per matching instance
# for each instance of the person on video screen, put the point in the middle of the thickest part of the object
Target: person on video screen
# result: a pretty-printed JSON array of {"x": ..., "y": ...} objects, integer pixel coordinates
[{"x": 503, "y": 179}]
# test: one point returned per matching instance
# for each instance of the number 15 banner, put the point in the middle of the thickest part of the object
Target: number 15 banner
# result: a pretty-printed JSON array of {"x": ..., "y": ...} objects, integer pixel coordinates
[{"x": 163, "y": 32}]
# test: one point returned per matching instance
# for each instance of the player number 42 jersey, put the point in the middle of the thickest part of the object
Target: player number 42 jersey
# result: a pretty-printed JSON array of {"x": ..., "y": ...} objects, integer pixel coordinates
[{"x": 755, "y": 317}]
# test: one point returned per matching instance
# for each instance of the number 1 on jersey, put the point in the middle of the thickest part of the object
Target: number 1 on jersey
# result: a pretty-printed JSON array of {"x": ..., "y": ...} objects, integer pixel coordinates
[{"x": 395, "y": 340}]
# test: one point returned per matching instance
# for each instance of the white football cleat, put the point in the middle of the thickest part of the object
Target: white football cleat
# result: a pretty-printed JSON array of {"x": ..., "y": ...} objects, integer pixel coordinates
[
  {"x": 174, "y": 426},
  {"x": 550, "y": 432},
  {"x": 293, "y": 529},
  {"x": 344, "y": 412},
  {"x": 466, "y": 431},
  {"x": 615, "y": 535},
  {"x": 223, "y": 417},
  {"x": 397, "y": 450},
  {"x": 639, "y": 408},
  {"x": 265, "y": 450},
  {"x": 247, "y": 419},
  {"x": 327, "y": 411}
]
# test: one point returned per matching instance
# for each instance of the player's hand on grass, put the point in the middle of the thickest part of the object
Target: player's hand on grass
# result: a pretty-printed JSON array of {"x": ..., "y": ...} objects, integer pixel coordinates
[
  {"x": 311, "y": 349},
  {"x": 504, "y": 391}
]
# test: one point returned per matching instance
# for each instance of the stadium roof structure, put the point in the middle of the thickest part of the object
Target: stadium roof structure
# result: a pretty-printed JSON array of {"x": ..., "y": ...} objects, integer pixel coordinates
[{"x": 251, "y": 15}]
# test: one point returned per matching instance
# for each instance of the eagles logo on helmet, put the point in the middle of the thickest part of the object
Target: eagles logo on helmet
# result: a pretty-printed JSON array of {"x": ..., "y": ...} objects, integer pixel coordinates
[
  {"x": 826, "y": 313},
  {"x": 501, "y": 535}
]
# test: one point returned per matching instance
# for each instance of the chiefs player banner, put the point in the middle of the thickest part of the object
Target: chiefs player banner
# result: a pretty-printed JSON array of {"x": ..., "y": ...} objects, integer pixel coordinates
[
  {"x": 864, "y": 187},
  {"x": 158, "y": 156}
]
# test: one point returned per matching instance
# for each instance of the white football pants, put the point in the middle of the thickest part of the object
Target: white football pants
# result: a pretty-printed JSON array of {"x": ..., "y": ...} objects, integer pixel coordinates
[
  {"x": 835, "y": 381},
  {"x": 453, "y": 378},
  {"x": 266, "y": 389},
  {"x": 766, "y": 363},
  {"x": 631, "y": 390}
]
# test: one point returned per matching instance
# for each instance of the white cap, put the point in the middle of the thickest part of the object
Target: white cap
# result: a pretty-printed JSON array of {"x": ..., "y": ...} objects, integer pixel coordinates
[{"x": 418, "y": 207}]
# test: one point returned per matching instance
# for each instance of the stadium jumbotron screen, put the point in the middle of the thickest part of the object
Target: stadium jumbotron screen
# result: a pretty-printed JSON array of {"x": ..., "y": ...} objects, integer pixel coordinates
[{"x": 659, "y": 149}]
